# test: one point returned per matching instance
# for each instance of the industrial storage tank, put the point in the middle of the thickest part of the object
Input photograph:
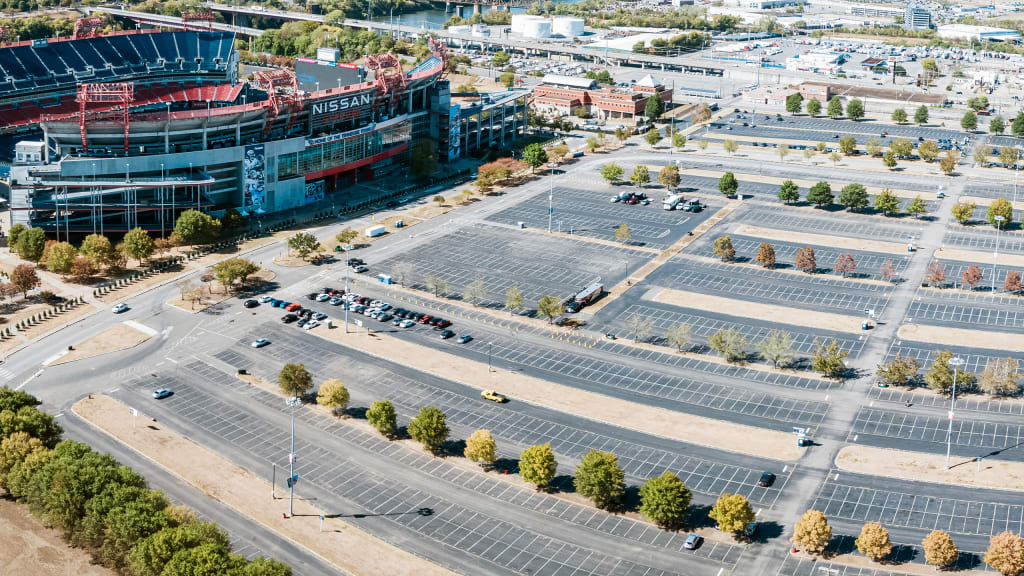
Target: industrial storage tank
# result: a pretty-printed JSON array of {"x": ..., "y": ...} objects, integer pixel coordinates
[
  {"x": 481, "y": 30},
  {"x": 460, "y": 29},
  {"x": 538, "y": 28},
  {"x": 567, "y": 26},
  {"x": 519, "y": 22}
]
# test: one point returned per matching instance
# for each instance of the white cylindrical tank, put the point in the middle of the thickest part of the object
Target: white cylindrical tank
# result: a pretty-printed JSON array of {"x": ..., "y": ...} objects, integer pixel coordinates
[
  {"x": 481, "y": 30},
  {"x": 460, "y": 29},
  {"x": 539, "y": 28},
  {"x": 519, "y": 21},
  {"x": 567, "y": 26}
]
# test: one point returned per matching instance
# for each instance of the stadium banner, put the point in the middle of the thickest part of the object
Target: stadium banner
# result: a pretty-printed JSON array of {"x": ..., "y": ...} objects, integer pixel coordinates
[
  {"x": 314, "y": 192},
  {"x": 454, "y": 133},
  {"x": 254, "y": 176}
]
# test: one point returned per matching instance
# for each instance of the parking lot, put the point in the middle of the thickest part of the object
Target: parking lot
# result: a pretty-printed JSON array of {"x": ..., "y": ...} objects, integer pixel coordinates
[
  {"x": 983, "y": 240},
  {"x": 1004, "y": 319},
  {"x": 834, "y": 224},
  {"x": 971, "y": 437},
  {"x": 868, "y": 263},
  {"x": 976, "y": 358},
  {"x": 826, "y": 129}
]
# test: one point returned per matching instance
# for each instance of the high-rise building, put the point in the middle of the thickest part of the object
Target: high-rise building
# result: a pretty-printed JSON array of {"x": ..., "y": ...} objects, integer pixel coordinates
[{"x": 916, "y": 17}]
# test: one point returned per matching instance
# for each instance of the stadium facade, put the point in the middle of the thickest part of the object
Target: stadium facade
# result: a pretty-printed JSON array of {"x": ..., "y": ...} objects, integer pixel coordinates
[{"x": 130, "y": 129}]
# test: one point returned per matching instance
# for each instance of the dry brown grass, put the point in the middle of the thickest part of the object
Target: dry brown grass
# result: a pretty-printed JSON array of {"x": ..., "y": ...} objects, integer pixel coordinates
[
  {"x": 31, "y": 549},
  {"x": 119, "y": 337}
]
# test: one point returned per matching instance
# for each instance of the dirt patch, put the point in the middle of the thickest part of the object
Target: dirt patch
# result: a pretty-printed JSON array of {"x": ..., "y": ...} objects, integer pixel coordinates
[
  {"x": 246, "y": 493},
  {"x": 926, "y": 467},
  {"x": 31, "y": 548},
  {"x": 45, "y": 326},
  {"x": 759, "y": 311},
  {"x": 841, "y": 242},
  {"x": 974, "y": 257},
  {"x": 120, "y": 337},
  {"x": 641, "y": 417},
  {"x": 216, "y": 293},
  {"x": 958, "y": 336},
  {"x": 790, "y": 271}
]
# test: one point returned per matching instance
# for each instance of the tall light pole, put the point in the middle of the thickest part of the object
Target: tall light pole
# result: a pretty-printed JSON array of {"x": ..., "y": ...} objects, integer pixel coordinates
[
  {"x": 995, "y": 255},
  {"x": 489, "y": 344},
  {"x": 551, "y": 194},
  {"x": 348, "y": 303},
  {"x": 955, "y": 362},
  {"x": 293, "y": 402}
]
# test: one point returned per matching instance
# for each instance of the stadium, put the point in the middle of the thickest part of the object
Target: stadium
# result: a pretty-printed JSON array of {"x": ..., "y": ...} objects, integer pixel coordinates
[{"x": 108, "y": 132}]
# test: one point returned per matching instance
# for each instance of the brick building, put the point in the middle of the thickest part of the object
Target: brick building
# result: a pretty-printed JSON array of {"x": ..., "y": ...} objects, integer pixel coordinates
[{"x": 562, "y": 95}]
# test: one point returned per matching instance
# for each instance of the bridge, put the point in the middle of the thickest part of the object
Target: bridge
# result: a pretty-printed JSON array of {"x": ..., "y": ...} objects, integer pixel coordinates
[{"x": 166, "y": 21}]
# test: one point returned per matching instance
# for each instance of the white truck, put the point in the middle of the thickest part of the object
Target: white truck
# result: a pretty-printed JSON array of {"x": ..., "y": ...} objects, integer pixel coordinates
[
  {"x": 374, "y": 231},
  {"x": 671, "y": 202}
]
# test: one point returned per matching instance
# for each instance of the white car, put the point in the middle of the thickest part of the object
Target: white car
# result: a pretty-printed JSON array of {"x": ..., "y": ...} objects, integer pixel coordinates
[
  {"x": 375, "y": 304},
  {"x": 260, "y": 343},
  {"x": 407, "y": 324},
  {"x": 311, "y": 324},
  {"x": 359, "y": 269},
  {"x": 264, "y": 299},
  {"x": 119, "y": 308},
  {"x": 323, "y": 297}
]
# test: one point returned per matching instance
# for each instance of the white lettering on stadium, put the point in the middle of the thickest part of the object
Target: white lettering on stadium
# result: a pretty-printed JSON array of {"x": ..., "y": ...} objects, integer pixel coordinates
[{"x": 341, "y": 104}]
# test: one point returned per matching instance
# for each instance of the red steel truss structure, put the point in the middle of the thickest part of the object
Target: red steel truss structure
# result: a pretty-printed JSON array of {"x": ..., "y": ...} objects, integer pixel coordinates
[{"x": 122, "y": 93}]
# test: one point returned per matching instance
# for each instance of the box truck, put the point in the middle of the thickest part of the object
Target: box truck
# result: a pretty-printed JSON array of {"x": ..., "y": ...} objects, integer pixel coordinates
[{"x": 374, "y": 231}]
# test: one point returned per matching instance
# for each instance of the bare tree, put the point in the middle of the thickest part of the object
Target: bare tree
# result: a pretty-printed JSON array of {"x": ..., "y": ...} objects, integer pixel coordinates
[
  {"x": 679, "y": 336},
  {"x": 777, "y": 347},
  {"x": 639, "y": 326},
  {"x": 474, "y": 292},
  {"x": 402, "y": 272}
]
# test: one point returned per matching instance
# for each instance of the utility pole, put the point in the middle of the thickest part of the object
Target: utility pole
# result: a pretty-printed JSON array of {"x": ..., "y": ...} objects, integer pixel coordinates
[
  {"x": 292, "y": 478},
  {"x": 955, "y": 362}
]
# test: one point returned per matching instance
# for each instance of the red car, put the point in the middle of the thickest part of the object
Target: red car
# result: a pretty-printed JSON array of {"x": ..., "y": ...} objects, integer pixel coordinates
[
  {"x": 443, "y": 324},
  {"x": 292, "y": 307},
  {"x": 426, "y": 319}
]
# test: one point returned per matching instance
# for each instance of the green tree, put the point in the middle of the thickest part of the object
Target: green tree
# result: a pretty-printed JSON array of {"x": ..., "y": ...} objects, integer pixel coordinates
[
  {"x": 899, "y": 115},
  {"x": 623, "y": 233},
  {"x": 899, "y": 371},
  {"x": 232, "y": 220},
  {"x": 203, "y": 560},
  {"x": 794, "y": 102},
  {"x": 1007, "y": 156},
  {"x": 730, "y": 146},
  {"x": 423, "y": 160},
  {"x": 789, "y": 192},
  {"x": 1017, "y": 126},
  {"x": 963, "y": 211},
  {"x": 723, "y": 249},
  {"x": 304, "y": 244},
  {"x": 727, "y": 184},
  {"x": 847, "y": 145},
  {"x": 346, "y": 236},
  {"x": 294, "y": 379},
  {"x": 550, "y": 307},
  {"x": 194, "y": 227},
  {"x": 97, "y": 249},
  {"x": 996, "y": 125},
  {"x": 151, "y": 554},
  {"x": 948, "y": 163},
  {"x": 829, "y": 358},
  {"x": 820, "y": 194},
  {"x": 729, "y": 343},
  {"x": 812, "y": 532},
  {"x": 508, "y": 79},
  {"x": 814, "y": 107},
  {"x": 334, "y": 395},
  {"x": 835, "y": 107},
  {"x": 969, "y": 121},
  {"x": 854, "y": 197},
  {"x": 535, "y": 156},
  {"x": 14, "y": 449},
  {"x": 652, "y": 136},
  {"x": 228, "y": 271},
  {"x": 889, "y": 160},
  {"x": 429, "y": 428},
  {"x": 30, "y": 244},
  {"x": 640, "y": 176},
  {"x": 669, "y": 177},
  {"x": 513, "y": 299},
  {"x": 940, "y": 375},
  {"x": 480, "y": 448},
  {"x": 654, "y": 107},
  {"x": 678, "y": 140},
  {"x": 537, "y": 465},
  {"x": 1006, "y": 553},
  {"x": 873, "y": 541},
  {"x": 600, "y": 478},
  {"x": 14, "y": 234},
  {"x": 611, "y": 172},
  {"x": 999, "y": 207},
  {"x": 921, "y": 115},
  {"x": 665, "y": 500},
  {"x": 855, "y": 109},
  {"x": 500, "y": 59},
  {"x": 679, "y": 336},
  {"x": 917, "y": 207},
  {"x": 24, "y": 278},
  {"x": 381, "y": 416},
  {"x": 902, "y": 147},
  {"x": 777, "y": 348},
  {"x": 873, "y": 146},
  {"x": 927, "y": 150},
  {"x": 62, "y": 255},
  {"x": 886, "y": 202},
  {"x": 732, "y": 513}
]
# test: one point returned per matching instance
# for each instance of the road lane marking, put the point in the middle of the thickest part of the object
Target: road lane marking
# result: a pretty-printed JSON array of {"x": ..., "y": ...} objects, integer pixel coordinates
[
  {"x": 29, "y": 379},
  {"x": 169, "y": 359}
]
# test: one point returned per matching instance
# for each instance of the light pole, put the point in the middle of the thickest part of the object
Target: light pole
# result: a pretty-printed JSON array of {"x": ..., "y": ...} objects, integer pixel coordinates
[
  {"x": 995, "y": 255},
  {"x": 293, "y": 402},
  {"x": 955, "y": 362},
  {"x": 489, "y": 344},
  {"x": 348, "y": 304}
]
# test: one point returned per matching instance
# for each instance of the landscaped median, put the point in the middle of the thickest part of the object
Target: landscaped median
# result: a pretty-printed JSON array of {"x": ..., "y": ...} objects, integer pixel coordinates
[
  {"x": 947, "y": 336},
  {"x": 119, "y": 337},
  {"x": 927, "y": 467},
  {"x": 679, "y": 426},
  {"x": 340, "y": 544},
  {"x": 842, "y": 242}
]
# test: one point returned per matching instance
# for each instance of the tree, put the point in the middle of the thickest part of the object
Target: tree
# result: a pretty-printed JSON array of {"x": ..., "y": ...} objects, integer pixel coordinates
[
  {"x": 814, "y": 107},
  {"x": 936, "y": 274},
  {"x": 639, "y": 326},
  {"x": 782, "y": 150},
  {"x": 474, "y": 292},
  {"x": 805, "y": 260},
  {"x": 346, "y": 236},
  {"x": 969, "y": 121},
  {"x": 611, "y": 172},
  {"x": 812, "y": 532},
  {"x": 151, "y": 554},
  {"x": 600, "y": 478},
  {"x": 999, "y": 378},
  {"x": 948, "y": 163},
  {"x": 939, "y": 549},
  {"x": 381, "y": 415},
  {"x": 765, "y": 255},
  {"x": 652, "y": 136},
  {"x": 537, "y": 465},
  {"x": 727, "y": 184},
  {"x": 14, "y": 449},
  {"x": 873, "y": 541},
  {"x": 508, "y": 79},
  {"x": 97, "y": 248},
  {"x": 480, "y": 448},
  {"x": 829, "y": 358},
  {"x": 917, "y": 207},
  {"x": 999, "y": 207},
  {"x": 14, "y": 234},
  {"x": 732, "y": 512},
  {"x": 940, "y": 374},
  {"x": 1017, "y": 126},
  {"x": 729, "y": 343},
  {"x": 194, "y": 227},
  {"x": 623, "y": 234},
  {"x": 640, "y": 176},
  {"x": 789, "y": 192},
  {"x": 500, "y": 59},
  {"x": 1012, "y": 283},
  {"x": 899, "y": 371},
  {"x": 304, "y": 244},
  {"x": 972, "y": 276},
  {"x": 294, "y": 380},
  {"x": 963, "y": 211},
  {"x": 1007, "y": 156},
  {"x": 730, "y": 146},
  {"x": 679, "y": 336},
  {"x": 899, "y": 115},
  {"x": 845, "y": 264},
  {"x": 678, "y": 139},
  {"x": 669, "y": 177},
  {"x": 980, "y": 156},
  {"x": 423, "y": 160},
  {"x": 722, "y": 248},
  {"x": 333, "y": 395},
  {"x": 702, "y": 144},
  {"x": 854, "y": 197},
  {"x": 24, "y": 277},
  {"x": 227, "y": 271},
  {"x": 535, "y": 156},
  {"x": 887, "y": 270},
  {"x": 996, "y": 125},
  {"x": 820, "y": 194},
  {"x": 429, "y": 428},
  {"x": 855, "y": 109},
  {"x": 889, "y": 160},
  {"x": 665, "y": 500},
  {"x": 550, "y": 307},
  {"x": 835, "y": 107},
  {"x": 513, "y": 299},
  {"x": 808, "y": 153},
  {"x": 886, "y": 202},
  {"x": 1006, "y": 554},
  {"x": 31, "y": 243},
  {"x": 436, "y": 284},
  {"x": 927, "y": 150},
  {"x": 82, "y": 269},
  {"x": 794, "y": 102},
  {"x": 777, "y": 348},
  {"x": 701, "y": 114},
  {"x": 921, "y": 114},
  {"x": 835, "y": 158},
  {"x": 847, "y": 145},
  {"x": 654, "y": 107},
  {"x": 873, "y": 146},
  {"x": 61, "y": 257}
]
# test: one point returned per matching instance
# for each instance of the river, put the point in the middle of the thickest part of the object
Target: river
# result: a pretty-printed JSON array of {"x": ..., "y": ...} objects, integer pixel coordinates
[{"x": 434, "y": 19}]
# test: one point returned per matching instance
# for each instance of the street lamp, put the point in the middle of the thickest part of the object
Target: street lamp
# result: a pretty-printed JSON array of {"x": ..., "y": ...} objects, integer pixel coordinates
[
  {"x": 995, "y": 255},
  {"x": 955, "y": 362},
  {"x": 293, "y": 402},
  {"x": 489, "y": 344},
  {"x": 348, "y": 304}
]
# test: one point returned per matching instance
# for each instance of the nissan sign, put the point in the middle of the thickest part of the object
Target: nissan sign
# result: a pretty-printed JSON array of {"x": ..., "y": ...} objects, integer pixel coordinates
[{"x": 342, "y": 103}]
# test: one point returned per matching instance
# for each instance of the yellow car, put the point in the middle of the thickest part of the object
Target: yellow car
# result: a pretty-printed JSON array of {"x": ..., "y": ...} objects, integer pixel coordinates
[{"x": 493, "y": 396}]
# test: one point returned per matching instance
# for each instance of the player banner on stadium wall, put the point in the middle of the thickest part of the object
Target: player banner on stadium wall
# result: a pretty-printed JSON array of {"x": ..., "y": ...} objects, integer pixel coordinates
[
  {"x": 254, "y": 176},
  {"x": 314, "y": 191}
]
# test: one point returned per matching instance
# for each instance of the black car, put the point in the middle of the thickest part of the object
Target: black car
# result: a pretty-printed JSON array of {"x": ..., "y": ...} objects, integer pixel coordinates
[
  {"x": 307, "y": 313},
  {"x": 385, "y": 317},
  {"x": 289, "y": 318},
  {"x": 572, "y": 307},
  {"x": 767, "y": 479},
  {"x": 446, "y": 334},
  {"x": 302, "y": 322},
  {"x": 313, "y": 295},
  {"x": 399, "y": 312},
  {"x": 250, "y": 304},
  {"x": 354, "y": 262}
]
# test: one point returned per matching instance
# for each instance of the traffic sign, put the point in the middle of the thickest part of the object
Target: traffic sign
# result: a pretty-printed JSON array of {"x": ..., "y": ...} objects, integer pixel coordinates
[{"x": 133, "y": 411}]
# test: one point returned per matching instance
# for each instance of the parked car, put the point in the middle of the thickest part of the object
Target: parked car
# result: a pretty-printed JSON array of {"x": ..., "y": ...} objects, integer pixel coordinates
[
  {"x": 446, "y": 334},
  {"x": 265, "y": 299},
  {"x": 336, "y": 301},
  {"x": 425, "y": 319},
  {"x": 384, "y": 317},
  {"x": 289, "y": 318},
  {"x": 250, "y": 304},
  {"x": 162, "y": 393},
  {"x": 693, "y": 541},
  {"x": 465, "y": 338},
  {"x": 260, "y": 343},
  {"x": 493, "y": 396},
  {"x": 319, "y": 316},
  {"x": 311, "y": 324},
  {"x": 407, "y": 324},
  {"x": 767, "y": 479},
  {"x": 359, "y": 269},
  {"x": 292, "y": 307},
  {"x": 302, "y": 322},
  {"x": 323, "y": 297},
  {"x": 443, "y": 323}
]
